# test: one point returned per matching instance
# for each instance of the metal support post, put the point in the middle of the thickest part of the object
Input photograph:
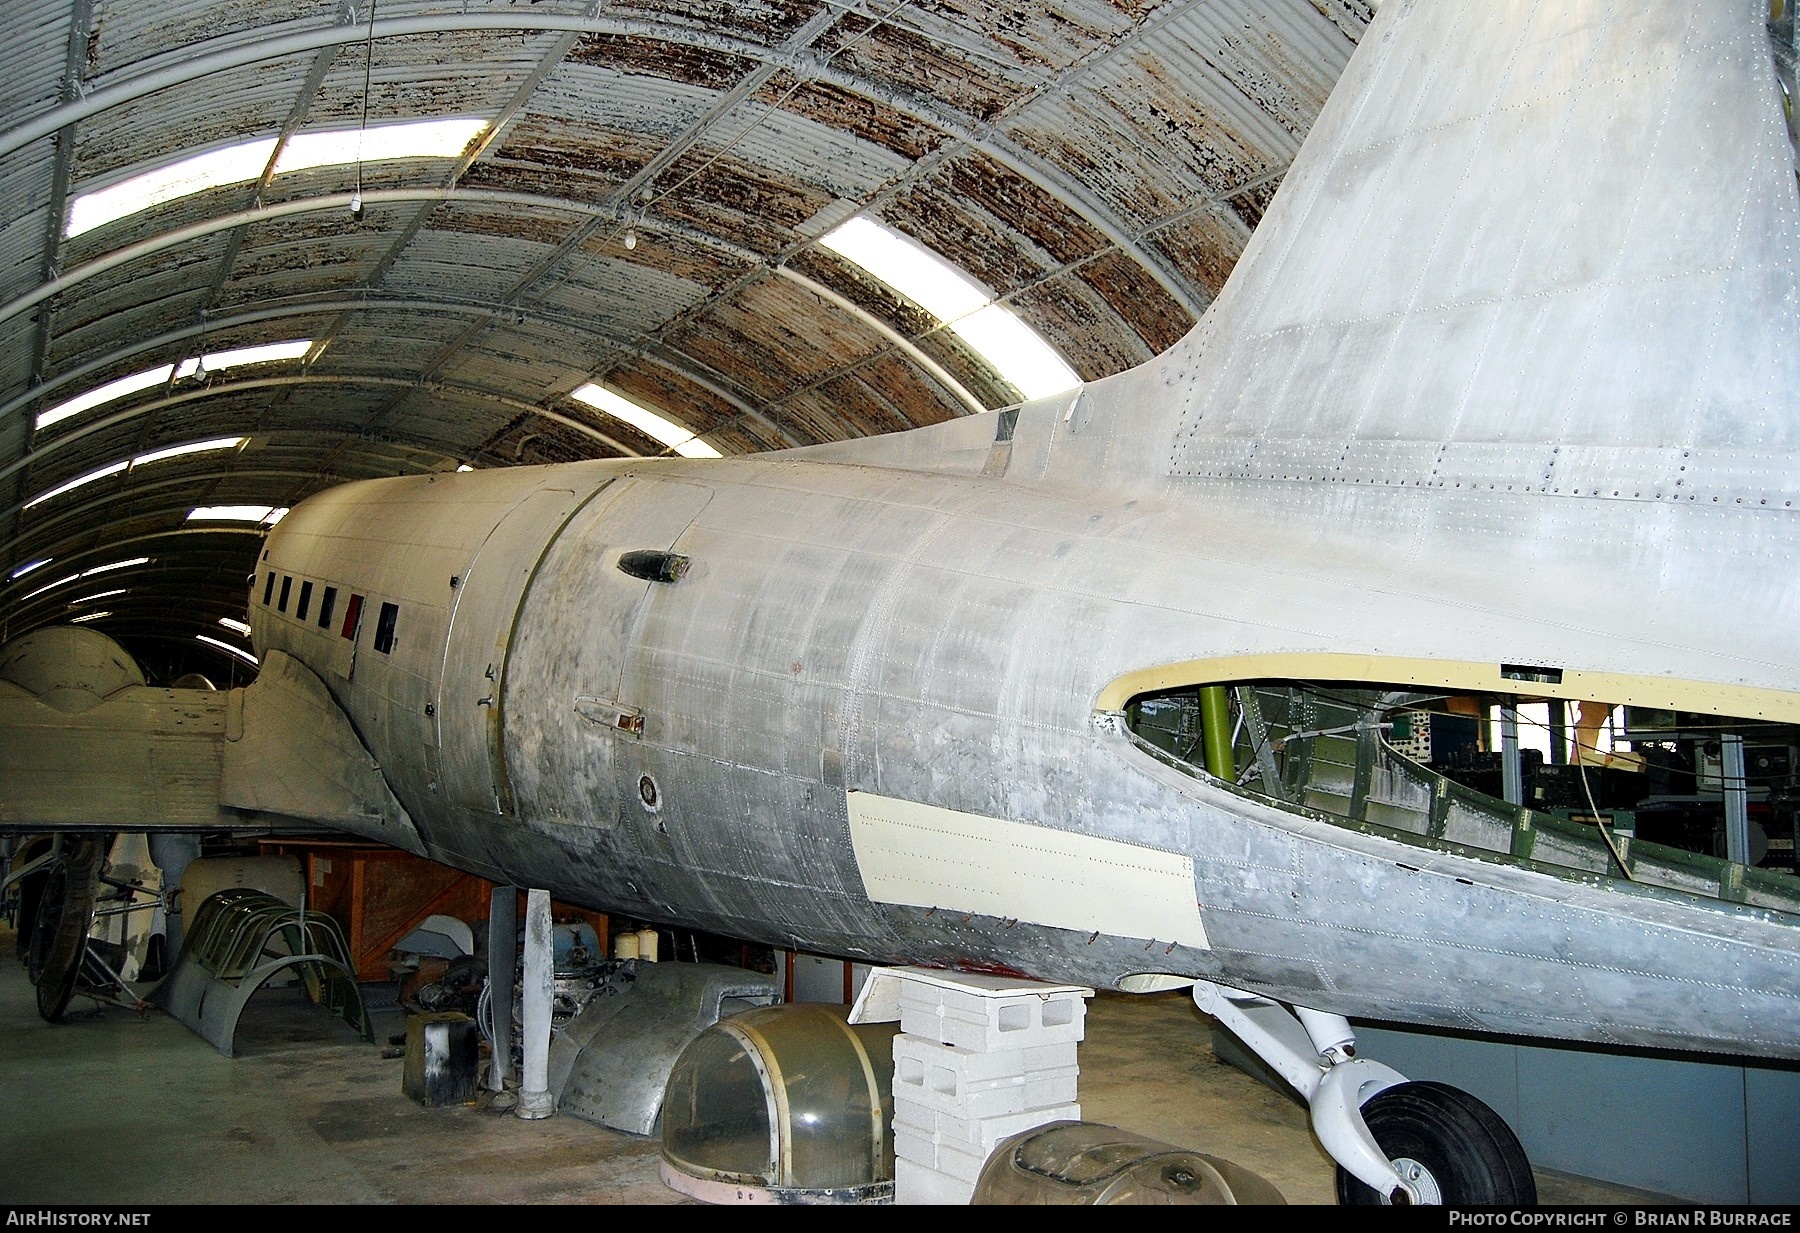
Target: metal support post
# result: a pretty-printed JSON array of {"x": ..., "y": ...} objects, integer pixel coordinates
[{"x": 535, "y": 1098}]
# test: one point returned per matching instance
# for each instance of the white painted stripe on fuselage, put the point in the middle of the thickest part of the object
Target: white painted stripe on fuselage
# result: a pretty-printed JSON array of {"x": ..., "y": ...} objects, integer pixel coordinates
[{"x": 926, "y": 857}]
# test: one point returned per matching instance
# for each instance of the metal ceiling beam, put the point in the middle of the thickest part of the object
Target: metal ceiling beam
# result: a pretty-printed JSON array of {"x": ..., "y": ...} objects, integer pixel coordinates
[{"x": 240, "y": 50}]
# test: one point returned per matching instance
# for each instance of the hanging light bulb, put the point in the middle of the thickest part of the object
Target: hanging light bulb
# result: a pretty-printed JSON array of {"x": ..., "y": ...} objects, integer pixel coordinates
[{"x": 631, "y": 239}]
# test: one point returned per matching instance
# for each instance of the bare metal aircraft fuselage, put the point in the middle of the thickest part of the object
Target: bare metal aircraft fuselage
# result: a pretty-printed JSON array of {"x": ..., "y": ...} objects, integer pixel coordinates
[{"x": 874, "y": 711}]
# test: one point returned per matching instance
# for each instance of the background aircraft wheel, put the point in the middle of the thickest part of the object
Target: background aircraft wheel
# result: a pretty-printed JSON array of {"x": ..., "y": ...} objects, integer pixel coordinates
[
  {"x": 59, "y": 931},
  {"x": 1450, "y": 1146}
]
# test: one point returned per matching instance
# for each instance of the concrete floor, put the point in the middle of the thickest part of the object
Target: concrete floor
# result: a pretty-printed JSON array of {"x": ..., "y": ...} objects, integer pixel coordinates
[{"x": 114, "y": 1107}]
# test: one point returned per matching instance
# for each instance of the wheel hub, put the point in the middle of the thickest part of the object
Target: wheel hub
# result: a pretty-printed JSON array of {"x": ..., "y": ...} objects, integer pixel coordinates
[{"x": 1419, "y": 1181}]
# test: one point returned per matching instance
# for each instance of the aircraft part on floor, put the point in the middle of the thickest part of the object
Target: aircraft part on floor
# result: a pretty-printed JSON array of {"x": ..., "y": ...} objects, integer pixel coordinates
[
  {"x": 611, "y": 1062},
  {"x": 240, "y": 940},
  {"x": 1085, "y": 1163},
  {"x": 787, "y": 1104}
]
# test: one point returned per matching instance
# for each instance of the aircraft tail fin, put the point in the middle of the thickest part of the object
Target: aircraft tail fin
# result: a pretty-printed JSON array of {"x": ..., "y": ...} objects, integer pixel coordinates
[{"x": 1545, "y": 248}]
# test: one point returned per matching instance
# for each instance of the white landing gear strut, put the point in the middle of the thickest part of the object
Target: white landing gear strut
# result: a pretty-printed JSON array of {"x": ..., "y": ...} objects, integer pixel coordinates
[
  {"x": 1395, "y": 1140},
  {"x": 1315, "y": 1053}
]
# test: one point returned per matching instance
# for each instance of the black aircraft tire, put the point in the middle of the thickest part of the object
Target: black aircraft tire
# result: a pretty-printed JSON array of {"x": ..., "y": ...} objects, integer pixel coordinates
[
  {"x": 59, "y": 930},
  {"x": 1462, "y": 1151}
]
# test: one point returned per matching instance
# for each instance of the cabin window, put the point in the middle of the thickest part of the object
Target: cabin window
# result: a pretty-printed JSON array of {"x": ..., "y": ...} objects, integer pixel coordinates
[
  {"x": 287, "y": 585},
  {"x": 352, "y": 615},
  {"x": 327, "y": 602},
  {"x": 305, "y": 603},
  {"x": 269, "y": 589},
  {"x": 384, "y": 627}
]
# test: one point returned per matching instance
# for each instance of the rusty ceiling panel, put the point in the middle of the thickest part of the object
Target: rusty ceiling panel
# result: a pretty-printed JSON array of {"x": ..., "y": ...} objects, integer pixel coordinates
[
  {"x": 863, "y": 409},
  {"x": 528, "y": 439},
  {"x": 963, "y": 363},
  {"x": 370, "y": 341},
  {"x": 670, "y": 254},
  {"x": 617, "y": 298},
  {"x": 1021, "y": 205},
  {"x": 543, "y": 225},
  {"x": 1351, "y": 17},
  {"x": 1158, "y": 319},
  {"x": 985, "y": 248},
  {"x": 812, "y": 418},
  {"x": 1092, "y": 337},
  {"x": 866, "y": 118},
  {"x": 1253, "y": 202},
  {"x": 662, "y": 388},
  {"x": 789, "y": 145},
  {"x": 639, "y": 56},
  {"x": 480, "y": 268},
  {"x": 1207, "y": 244},
  {"x": 426, "y": 76},
  {"x": 121, "y": 295},
  {"x": 176, "y": 122},
  {"x": 745, "y": 203},
  {"x": 512, "y": 367},
  {"x": 123, "y": 32},
  {"x": 903, "y": 386},
  {"x": 1050, "y": 36},
  {"x": 974, "y": 81},
  {"x": 768, "y": 22},
  {"x": 770, "y": 337},
  {"x": 32, "y": 58}
]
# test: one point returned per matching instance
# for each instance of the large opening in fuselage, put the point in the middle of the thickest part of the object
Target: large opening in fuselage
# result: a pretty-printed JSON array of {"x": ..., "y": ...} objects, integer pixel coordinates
[{"x": 1694, "y": 801}]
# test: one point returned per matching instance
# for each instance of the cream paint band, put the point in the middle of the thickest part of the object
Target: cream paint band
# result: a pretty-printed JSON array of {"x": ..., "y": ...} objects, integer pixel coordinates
[{"x": 925, "y": 857}]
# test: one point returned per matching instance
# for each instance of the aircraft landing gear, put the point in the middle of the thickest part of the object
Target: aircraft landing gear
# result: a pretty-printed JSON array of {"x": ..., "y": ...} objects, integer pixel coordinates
[{"x": 1395, "y": 1141}]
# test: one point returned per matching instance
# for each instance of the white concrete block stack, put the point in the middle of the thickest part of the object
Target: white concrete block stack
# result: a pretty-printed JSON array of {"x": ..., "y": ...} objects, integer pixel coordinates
[{"x": 978, "y": 1058}]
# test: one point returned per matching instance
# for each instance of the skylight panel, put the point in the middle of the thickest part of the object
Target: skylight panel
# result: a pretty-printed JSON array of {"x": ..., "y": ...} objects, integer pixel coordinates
[
  {"x": 246, "y": 656},
  {"x": 232, "y": 164},
  {"x": 51, "y": 586},
  {"x": 237, "y": 513},
  {"x": 216, "y": 361},
  {"x": 908, "y": 267},
  {"x": 88, "y": 573},
  {"x": 101, "y": 395},
  {"x": 244, "y": 161},
  {"x": 113, "y": 468},
  {"x": 1014, "y": 350},
  {"x": 1017, "y": 352},
  {"x": 106, "y": 569},
  {"x": 80, "y": 481},
  {"x": 409, "y": 139},
  {"x": 182, "y": 451},
  {"x": 238, "y": 357},
  {"x": 645, "y": 421}
]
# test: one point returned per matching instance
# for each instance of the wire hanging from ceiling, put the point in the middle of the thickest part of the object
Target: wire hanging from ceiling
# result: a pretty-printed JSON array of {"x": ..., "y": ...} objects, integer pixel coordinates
[{"x": 356, "y": 204}]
